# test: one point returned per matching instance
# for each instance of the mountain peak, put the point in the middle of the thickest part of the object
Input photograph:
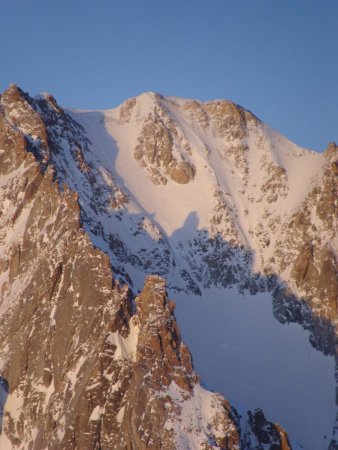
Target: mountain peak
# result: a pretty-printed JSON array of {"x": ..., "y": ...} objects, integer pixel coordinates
[{"x": 201, "y": 194}]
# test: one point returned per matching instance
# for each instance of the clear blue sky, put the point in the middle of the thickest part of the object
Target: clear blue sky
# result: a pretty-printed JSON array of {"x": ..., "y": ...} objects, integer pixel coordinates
[{"x": 278, "y": 58}]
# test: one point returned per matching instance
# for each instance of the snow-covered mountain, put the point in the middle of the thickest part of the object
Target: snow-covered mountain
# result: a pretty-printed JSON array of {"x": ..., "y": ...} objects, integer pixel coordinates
[{"x": 202, "y": 194}]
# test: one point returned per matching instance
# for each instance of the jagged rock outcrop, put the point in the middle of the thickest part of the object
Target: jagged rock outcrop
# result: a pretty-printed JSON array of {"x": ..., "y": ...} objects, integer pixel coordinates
[
  {"x": 311, "y": 247},
  {"x": 263, "y": 434},
  {"x": 166, "y": 387},
  {"x": 162, "y": 149}
]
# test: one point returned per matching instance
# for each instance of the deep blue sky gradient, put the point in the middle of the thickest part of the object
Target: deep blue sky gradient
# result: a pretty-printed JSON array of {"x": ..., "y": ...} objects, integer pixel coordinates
[{"x": 278, "y": 58}]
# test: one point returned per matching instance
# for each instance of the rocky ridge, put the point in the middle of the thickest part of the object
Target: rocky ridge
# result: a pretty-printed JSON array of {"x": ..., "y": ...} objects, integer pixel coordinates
[{"x": 84, "y": 365}]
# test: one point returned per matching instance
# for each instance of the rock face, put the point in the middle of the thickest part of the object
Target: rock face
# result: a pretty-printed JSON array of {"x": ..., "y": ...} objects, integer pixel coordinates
[
  {"x": 312, "y": 247},
  {"x": 264, "y": 434},
  {"x": 162, "y": 149},
  {"x": 203, "y": 194},
  {"x": 166, "y": 388}
]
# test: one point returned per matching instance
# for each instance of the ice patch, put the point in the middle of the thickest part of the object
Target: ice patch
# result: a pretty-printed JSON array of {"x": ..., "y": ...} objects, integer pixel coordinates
[{"x": 126, "y": 347}]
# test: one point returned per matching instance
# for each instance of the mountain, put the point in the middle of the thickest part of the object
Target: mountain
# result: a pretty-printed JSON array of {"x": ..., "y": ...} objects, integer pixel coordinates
[{"x": 203, "y": 195}]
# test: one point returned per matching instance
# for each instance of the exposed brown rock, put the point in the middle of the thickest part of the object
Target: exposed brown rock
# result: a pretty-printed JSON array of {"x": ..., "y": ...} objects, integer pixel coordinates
[
  {"x": 304, "y": 269},
  {"x": 155, "y": 150},
  {"x": 126, "y": 109},
  {"x": 160, "y": 341},
  {"x": 334, "y": 167},
  {"x": 19, "y": 113},
  {"x": 265, "y": 434}
]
